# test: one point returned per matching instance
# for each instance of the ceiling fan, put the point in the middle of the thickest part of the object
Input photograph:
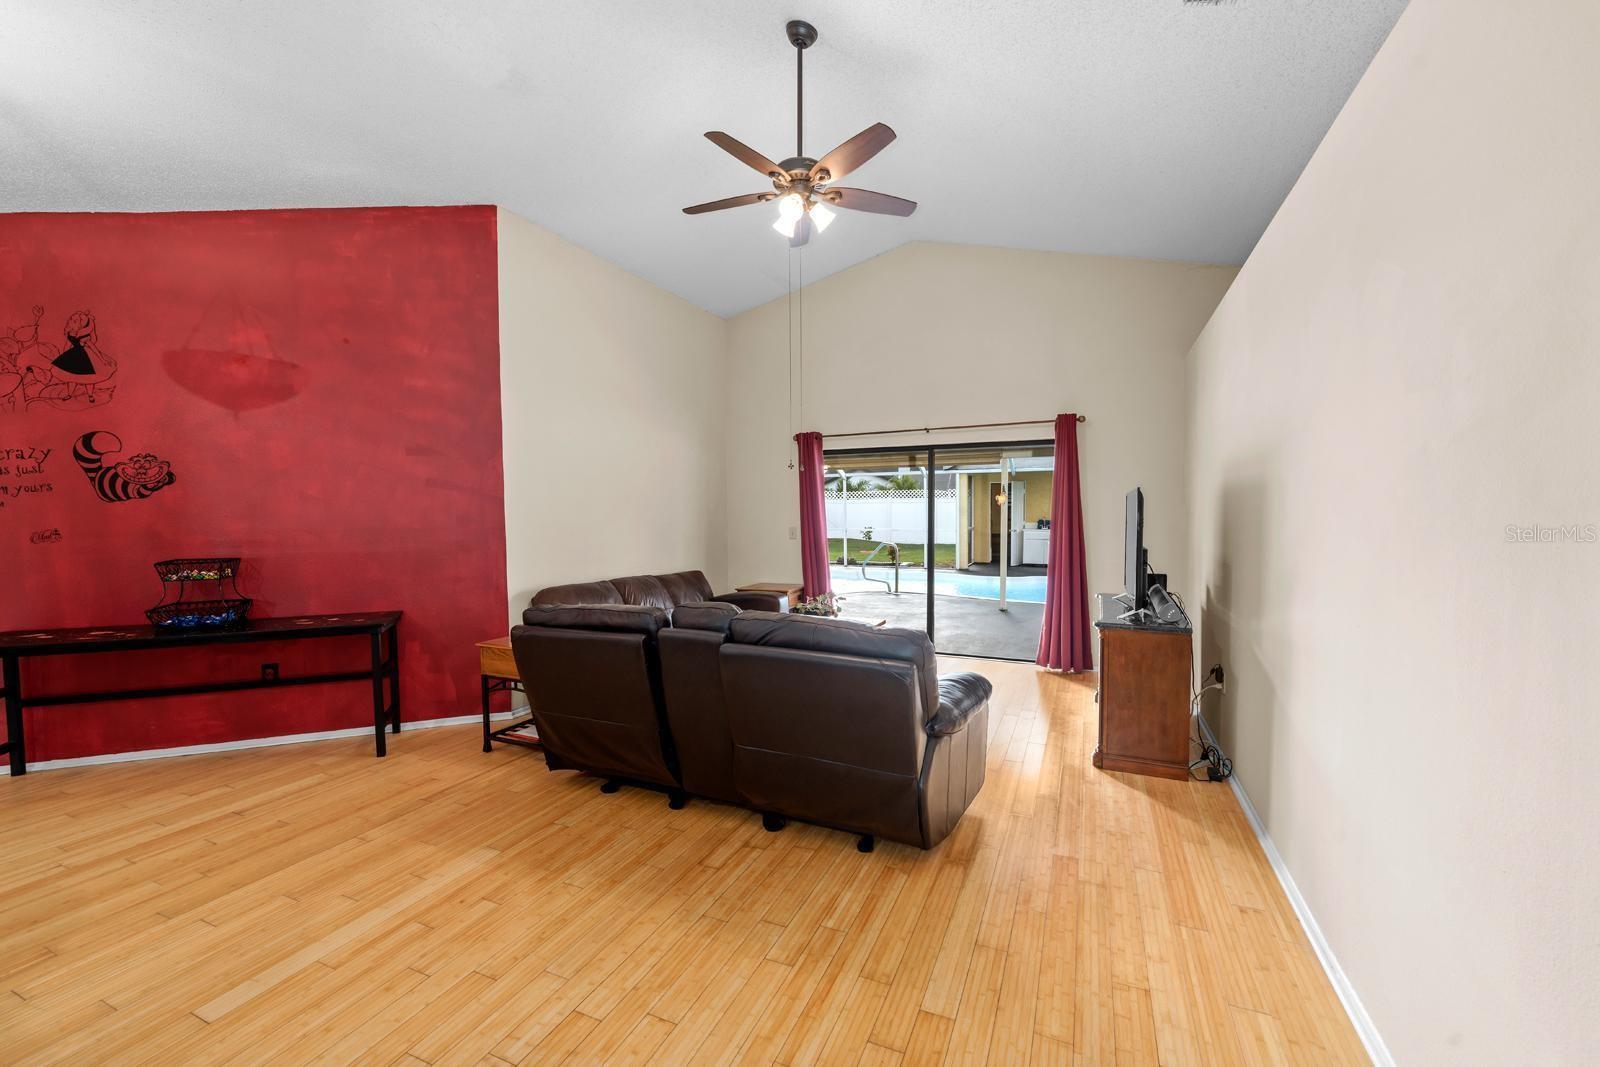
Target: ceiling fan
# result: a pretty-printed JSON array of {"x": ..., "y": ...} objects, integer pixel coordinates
[{"x": 802, "y": 186}]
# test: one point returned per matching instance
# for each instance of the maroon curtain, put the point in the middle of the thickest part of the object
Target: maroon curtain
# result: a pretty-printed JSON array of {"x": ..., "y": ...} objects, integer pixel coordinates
[
  {"x": 1064, "y": 637},
  {"x": 813, "y": 517}
]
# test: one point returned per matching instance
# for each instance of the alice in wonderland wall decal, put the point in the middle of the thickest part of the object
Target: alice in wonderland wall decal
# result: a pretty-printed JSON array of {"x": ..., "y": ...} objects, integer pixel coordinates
[
  {"x": 69, "y": 375},
  {"x": 135, "y": 478},
  {"x": 22, "y": 472}
]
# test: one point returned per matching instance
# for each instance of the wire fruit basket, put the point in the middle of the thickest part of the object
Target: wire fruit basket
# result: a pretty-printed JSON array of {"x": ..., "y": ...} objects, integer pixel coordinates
[
  {"x": 213, "y": 609},
  {"x": 211, "y": 569}
]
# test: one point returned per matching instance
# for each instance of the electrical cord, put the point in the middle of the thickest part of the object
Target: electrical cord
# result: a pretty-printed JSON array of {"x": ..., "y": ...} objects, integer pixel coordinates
[{"x": 1219, "y": 768}]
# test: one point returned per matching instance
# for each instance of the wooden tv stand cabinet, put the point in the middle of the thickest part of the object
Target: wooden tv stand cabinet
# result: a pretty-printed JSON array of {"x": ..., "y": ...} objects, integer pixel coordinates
[{"x": 1144, "y": 698}]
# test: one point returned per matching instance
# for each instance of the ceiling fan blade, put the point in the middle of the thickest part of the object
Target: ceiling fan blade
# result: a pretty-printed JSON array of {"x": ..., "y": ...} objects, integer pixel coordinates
[
  {"x": 732, "y": 201},
  {"x": 867, "y": 200},
  {"x": 850, "y": 155},
  {"x": 747, "y": 155},
  {"x": 802, "y": 231}
]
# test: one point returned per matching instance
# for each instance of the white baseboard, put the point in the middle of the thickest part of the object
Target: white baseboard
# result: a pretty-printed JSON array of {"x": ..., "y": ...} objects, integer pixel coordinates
[
  {"x": 254, "y": 742},
  {"x": 1366, "y": 1029}
]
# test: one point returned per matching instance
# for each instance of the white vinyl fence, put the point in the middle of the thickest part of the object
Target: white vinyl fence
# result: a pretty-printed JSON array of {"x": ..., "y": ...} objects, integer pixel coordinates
[{"x": 898, "y": 515}]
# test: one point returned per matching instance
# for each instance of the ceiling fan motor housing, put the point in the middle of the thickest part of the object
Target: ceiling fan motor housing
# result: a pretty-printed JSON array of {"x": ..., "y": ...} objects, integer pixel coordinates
[{"x": 798, "y": 166}]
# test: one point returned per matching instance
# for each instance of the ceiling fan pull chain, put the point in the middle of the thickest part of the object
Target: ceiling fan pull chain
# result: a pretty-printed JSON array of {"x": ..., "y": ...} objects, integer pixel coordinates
[{"x": 789, "y": 336}]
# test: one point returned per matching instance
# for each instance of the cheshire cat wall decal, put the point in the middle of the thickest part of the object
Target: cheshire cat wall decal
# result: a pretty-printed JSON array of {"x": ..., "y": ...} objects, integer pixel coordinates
[{"x": 135, "y": 478}]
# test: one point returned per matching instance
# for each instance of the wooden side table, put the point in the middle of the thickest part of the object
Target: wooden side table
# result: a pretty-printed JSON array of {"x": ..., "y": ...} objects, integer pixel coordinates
[{"x": 497, "y": 672}]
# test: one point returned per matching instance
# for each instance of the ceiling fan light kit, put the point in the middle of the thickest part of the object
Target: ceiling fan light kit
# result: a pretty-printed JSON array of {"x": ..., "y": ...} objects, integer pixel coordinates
[{"x": 802, "y": 186}]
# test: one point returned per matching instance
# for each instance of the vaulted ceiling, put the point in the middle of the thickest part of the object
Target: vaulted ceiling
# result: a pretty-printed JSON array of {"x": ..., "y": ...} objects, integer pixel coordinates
[{"x": 1154, "y": 128}]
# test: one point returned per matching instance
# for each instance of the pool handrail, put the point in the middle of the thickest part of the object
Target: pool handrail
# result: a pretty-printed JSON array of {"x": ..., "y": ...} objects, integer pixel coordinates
[{"x": 873, "y": 555}]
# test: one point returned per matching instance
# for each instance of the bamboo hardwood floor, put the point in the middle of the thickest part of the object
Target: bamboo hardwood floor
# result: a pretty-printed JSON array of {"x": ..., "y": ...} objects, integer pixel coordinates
[{"x": 309, "y": 904}]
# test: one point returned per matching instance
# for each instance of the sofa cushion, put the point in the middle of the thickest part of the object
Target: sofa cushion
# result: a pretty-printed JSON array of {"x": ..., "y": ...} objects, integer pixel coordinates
[
  {"x": 707, "y": 615},
  {"x": 685, "y": 587},
  {"x": 815, "y": 634},
  {"x": 619, "y": 618},
  {"x": 839, "y": 636},
  {"x": 578, "y": 593},
  {"x": 645, "y": 590}
]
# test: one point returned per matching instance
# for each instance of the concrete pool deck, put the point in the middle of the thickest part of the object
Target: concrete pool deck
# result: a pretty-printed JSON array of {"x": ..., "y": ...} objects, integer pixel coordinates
[{"x": 963, "y": 626}]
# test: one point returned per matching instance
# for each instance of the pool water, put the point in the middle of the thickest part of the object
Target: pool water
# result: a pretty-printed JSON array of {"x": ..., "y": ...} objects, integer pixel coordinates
[{"x": 1027, "y": 590}]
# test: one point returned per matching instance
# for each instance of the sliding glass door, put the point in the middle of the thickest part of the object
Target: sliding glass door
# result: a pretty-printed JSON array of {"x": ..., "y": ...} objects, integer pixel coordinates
[
  {"x": 878, "y": 535},
  {"x": 952, "y": 540},
  {"x": 988, "y": 589}
]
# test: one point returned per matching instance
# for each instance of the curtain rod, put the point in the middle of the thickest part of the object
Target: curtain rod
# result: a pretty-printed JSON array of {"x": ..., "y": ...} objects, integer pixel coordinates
[{"x": 963, "y": 426}]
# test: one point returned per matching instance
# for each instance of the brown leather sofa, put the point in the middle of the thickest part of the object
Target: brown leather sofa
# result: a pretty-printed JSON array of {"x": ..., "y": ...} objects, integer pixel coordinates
[
  {"x": 593, "y": 678},
  {"x": 848, "y": 726},
  {"x": 691, "y": 676},
  {"x": 827, "y": 721},
  {"x": 665, "y": 591}
]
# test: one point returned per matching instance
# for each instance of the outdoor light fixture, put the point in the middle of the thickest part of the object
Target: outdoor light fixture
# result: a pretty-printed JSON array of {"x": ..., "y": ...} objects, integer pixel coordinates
[{"x": 1000, "y": 498}]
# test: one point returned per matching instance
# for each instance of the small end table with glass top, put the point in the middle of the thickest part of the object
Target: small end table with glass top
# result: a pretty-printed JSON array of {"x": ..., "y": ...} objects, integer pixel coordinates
[{"x": 497, "y": 671}]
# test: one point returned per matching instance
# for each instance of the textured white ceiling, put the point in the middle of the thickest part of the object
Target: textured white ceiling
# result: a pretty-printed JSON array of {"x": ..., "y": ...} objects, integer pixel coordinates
[{"x": 1147, "y": 128}]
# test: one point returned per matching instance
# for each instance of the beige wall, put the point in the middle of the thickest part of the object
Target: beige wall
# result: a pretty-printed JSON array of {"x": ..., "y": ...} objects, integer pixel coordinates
[
  {"x": 1407, "y": 365},
  {"x": 933, "y": 333},
  {"x": 613, "y": 398}
]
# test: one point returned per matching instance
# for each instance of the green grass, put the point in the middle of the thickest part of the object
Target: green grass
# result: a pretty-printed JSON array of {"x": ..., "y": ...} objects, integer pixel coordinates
[{"x": 910, "y": 555}]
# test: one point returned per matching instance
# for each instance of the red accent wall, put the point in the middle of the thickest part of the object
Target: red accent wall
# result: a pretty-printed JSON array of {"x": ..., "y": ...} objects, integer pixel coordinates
[{"x": 324, "y": 388}]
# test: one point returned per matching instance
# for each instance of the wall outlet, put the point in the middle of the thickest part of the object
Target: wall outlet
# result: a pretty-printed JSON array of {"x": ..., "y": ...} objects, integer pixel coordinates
[
  {"x": 269, "y": 672},
  {"x": 794, "y": 533}
]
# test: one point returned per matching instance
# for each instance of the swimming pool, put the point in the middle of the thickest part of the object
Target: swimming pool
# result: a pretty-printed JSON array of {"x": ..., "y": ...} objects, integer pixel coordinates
[{"x": 1027, "y": 590}]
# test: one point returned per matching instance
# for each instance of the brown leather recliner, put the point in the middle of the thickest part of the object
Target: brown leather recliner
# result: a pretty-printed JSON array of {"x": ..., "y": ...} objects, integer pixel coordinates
[
  {"x": 593, "y": 677},
  {"x": 849, "y": 726},
  {"x": 664, "y": 591},
  {"x": 691, "y": 677}
]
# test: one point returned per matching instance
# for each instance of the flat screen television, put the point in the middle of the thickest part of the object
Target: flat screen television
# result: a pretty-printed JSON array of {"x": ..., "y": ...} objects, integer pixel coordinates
[{"x": 1134, "y": 591}]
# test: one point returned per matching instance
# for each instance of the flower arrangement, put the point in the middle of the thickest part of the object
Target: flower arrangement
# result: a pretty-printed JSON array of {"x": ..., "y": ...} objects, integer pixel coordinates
[{"x": 824, "y": 604}]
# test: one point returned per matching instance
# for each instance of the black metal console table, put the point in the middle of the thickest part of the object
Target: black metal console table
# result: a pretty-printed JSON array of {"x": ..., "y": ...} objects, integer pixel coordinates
[{"x": 19, "y": 645}]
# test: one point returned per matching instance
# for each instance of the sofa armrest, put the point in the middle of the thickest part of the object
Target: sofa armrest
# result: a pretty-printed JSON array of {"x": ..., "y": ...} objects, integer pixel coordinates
[
  {"x": 755, "y": 601},
  {"x": 961, "y": 696}
]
